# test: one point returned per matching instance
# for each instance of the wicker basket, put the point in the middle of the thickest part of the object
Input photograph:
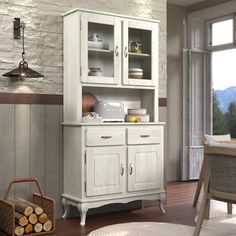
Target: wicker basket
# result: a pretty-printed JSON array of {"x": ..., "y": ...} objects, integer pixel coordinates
[{"x": 7, "y": 209}]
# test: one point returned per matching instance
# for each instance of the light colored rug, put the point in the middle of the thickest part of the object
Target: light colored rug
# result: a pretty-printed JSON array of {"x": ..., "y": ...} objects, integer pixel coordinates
[{"x": 219, "y": 224}]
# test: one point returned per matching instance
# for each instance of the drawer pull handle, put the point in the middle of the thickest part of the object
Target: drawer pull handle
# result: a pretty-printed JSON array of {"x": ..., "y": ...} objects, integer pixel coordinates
[
  {"x": 117, "y": 51},
  {"x": 145, "y": 136},
  {"x": 122, "y": 170},
  {"x": 126, "y": 52},
  {"x": 106, "y": 137},
  {"x": 130, "y": 169}
]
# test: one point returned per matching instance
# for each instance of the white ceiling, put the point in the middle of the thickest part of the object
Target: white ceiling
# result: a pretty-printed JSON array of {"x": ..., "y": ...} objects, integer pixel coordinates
[{"x": 184, "y": 2}]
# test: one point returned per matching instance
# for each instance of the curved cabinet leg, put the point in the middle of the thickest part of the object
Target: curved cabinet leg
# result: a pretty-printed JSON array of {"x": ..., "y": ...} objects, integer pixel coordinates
[
  {"x": 161, "y": 206},
  {"x": 83, "y": 208},
  {"x": 161, "y": 203},
  {"x": 66, "y": 208}
]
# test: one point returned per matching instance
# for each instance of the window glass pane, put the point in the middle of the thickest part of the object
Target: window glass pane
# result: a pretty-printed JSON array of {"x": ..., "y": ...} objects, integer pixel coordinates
[
  {"x": 224, "y": 92},
  {"x": 222, "y": 32},
  {"x": 224, "y": 69}
]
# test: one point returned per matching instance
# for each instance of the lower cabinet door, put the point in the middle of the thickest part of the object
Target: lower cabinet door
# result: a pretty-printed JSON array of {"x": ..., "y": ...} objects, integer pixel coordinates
[
  {"x": 105, "y": 170},
  {"x": 145, "y": 167}
]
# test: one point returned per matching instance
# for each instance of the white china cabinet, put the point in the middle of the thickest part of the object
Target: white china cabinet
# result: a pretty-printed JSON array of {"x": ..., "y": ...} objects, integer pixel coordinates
[{"x": 113, "y": 162}]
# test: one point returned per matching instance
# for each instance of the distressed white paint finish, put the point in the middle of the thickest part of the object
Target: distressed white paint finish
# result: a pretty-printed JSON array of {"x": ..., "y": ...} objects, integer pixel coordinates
[
  {"x": 31, "y": 146},
  {"x": 145, "y": 167},
  {"x": 83, "y": 165},
  {"x": 146, "y": 28},
  {"x": 113, "y": 37},
  {"x": 145, "y": 135},
  {"x": 110, "y": 136},
  {"x": 196, "y": 154},
  {"x": 194, "y": 111},
  {"x": 43, "y": 38},
  {"x": 77, "y": 61},
  {"x": 72, "y": 98},
  {"x": 105, "y": 170}
]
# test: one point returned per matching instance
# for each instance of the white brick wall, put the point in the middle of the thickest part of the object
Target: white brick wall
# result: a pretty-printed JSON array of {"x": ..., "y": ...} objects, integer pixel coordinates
[{"x": 43, "y": 37}]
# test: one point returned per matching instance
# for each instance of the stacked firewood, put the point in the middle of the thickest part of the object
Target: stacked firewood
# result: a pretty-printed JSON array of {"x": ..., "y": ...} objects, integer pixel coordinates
[{"x": 30, "y": 218}]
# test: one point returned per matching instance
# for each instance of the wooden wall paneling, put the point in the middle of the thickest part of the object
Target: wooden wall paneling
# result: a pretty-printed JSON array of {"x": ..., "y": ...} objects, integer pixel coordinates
[
  {"x": 30, "y": 98},
  {"x": 22, "y": 149},
  {"x": 6, "y": 146},
  {"x": 52, "y": 160},
  {"x": 37, "y": 133}
]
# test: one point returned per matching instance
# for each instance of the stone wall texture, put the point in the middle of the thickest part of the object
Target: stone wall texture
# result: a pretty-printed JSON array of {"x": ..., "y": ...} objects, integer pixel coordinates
[{"x": 43, "y": 38}]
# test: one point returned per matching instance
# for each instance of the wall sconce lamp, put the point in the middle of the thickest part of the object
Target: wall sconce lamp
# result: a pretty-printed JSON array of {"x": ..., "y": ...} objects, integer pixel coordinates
[{"x": 23, "y": 71}]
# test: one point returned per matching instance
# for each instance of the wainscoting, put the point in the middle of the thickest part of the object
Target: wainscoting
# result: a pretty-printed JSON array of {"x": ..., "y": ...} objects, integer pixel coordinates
[{"x": 31, "y": 145}]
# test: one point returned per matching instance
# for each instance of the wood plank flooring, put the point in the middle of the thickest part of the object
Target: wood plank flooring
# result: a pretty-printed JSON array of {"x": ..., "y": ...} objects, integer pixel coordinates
[{"x": 179, "y": 210}]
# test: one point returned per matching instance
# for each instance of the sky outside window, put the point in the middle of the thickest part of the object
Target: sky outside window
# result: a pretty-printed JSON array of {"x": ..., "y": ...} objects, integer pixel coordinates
[
  {"x": 223, "y": 62},
  {"x": 224, "y": 69},
  {"x": 222, "y": 32}
]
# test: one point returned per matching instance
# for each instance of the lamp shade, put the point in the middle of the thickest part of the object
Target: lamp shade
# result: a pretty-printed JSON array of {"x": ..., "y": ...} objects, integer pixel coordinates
[{"x": 23, "y": 71}]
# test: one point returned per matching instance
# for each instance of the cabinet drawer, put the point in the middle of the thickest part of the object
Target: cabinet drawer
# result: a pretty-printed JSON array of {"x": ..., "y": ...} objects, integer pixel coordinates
[
  {"x": 105, "y": 136},
  {"x": 145, "y": 135}
]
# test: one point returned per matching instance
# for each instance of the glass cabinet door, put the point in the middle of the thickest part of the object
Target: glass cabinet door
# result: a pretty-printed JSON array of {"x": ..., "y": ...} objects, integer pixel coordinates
[
  {"x": 140, "y": 53},
  {"x": 100, "y": 48}
]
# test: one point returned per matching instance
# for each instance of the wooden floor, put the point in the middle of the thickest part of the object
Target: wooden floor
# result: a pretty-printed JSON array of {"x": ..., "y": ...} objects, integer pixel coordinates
[{"x": 179, "y": 210}]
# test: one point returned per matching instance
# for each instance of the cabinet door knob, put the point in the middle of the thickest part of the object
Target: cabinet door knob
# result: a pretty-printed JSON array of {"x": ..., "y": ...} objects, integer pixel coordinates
[
  {"x": 117, "y": 51},
  {"x": 126, "y": 51},
  {"x": 130, "y": 169},
  {"x": 106, "y": 137},
  {"x": 122, "y": 170}
]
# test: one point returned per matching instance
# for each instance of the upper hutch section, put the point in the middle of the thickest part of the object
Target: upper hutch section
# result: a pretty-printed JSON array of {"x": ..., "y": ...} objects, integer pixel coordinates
[{"x": 109, "y": 51}]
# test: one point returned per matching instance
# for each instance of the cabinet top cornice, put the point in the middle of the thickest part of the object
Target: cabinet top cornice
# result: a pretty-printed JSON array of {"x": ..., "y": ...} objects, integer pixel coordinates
[{"x": 109, "y": 14}]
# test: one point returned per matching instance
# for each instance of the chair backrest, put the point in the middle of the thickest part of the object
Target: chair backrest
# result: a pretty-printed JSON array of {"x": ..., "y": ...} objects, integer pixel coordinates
[
  {"x": 222, "y": 166},
  {"x": 216, "y": 138}
]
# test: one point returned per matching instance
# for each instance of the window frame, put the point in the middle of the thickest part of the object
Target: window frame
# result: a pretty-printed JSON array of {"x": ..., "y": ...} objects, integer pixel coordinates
[{"x": 209, "y": 24}]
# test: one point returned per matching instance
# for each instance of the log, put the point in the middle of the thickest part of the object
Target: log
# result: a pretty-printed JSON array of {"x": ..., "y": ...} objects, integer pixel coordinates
[
  {"x": 38, "y": 227},
  {"x": 43, "y": 218},
  {"x": 19, "y": 230},
  {"x": 47, "y": 226},
  {"x": 33, "y": 219},
  {"x": 21, "y": 219},
  {"x": 37, "y": 209},
  {"x": 22, "y": 207},
  {"x": 28, "y": 229}
]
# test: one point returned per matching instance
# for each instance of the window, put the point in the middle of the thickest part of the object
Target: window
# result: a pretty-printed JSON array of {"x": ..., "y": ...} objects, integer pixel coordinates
[
  {"x": 221, "y": 43},
  {"x": 220, "y": 33}
]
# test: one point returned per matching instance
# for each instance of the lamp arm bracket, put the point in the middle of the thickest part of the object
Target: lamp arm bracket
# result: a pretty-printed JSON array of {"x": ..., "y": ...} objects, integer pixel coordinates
[{"x": 17, "y": 25}]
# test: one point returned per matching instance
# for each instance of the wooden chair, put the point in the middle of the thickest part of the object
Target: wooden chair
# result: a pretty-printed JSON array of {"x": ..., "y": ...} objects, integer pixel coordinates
[
  {"x": 219, "y": 179},
  {"x": 201, "y": 176},
  {"x": 200, "y": 181}
]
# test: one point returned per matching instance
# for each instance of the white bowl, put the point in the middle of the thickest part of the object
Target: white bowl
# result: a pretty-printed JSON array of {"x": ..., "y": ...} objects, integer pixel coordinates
[
  {"x": 135, "y": 70},
  {"x": 96, "y": 73},
  {"x": 136, "y": 76},
  {"x": 135, "y": 73},
  {"x": 138, "y": 111},
  {"x": 94, "y": 44}
]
